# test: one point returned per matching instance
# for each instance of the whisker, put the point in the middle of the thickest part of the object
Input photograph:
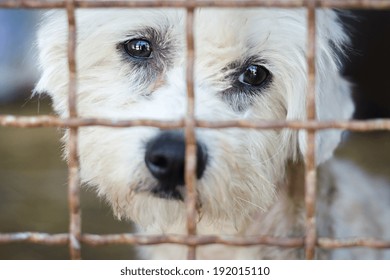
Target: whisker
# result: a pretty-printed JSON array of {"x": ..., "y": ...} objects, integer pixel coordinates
[{"x": 251, "y": 203}]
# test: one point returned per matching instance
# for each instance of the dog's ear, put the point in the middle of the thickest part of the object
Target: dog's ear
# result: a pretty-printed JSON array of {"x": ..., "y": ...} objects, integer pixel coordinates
[
  {"x": 333, "y": 103},
  {"x": 333, "y": 98}
]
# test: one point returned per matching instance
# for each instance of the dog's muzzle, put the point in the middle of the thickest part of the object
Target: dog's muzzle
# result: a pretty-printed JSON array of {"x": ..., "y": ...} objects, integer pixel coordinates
[{"x": 165, "y": 158}]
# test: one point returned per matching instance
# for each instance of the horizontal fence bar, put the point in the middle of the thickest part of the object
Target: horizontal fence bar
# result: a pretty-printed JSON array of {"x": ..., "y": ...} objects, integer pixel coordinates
[
  {"x": 35, "y": 237},
  {"x": 191, "y": 240},
  {"x": 51, "y": 121},
  {"x": 328, "y": 243},
  {"x": 346, "y": 4},
  {"x": 199, "y": 240}
]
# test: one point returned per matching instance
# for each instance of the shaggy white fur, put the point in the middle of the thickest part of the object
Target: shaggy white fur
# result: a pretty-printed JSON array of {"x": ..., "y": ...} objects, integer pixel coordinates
[{"x": 242, "y": 191}]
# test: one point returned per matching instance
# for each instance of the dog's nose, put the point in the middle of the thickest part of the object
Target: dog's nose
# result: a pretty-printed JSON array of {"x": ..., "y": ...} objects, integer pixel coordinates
[{"x": 165, "y": 158}]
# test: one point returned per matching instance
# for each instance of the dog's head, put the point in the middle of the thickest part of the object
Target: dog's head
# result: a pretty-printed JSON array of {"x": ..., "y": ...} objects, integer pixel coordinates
[{"x": 250, "y": 64}]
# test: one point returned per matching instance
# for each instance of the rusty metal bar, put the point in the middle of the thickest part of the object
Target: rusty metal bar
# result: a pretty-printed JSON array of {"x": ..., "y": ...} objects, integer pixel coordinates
[
  {"x": 328, "y": 243},
  {"x": 190, "y": 240},
  {"x": 51, "y": 121},
  {"x": 369, "y": 125},
  {"x": 73, "y": 161},
  {"x": 340, "y": 4},
  {"x": 190, "y": 152},
  {"x": 310, "y": 166},
  {"x": 133, "y": 239},
  {"x": 35, "y": 237}
]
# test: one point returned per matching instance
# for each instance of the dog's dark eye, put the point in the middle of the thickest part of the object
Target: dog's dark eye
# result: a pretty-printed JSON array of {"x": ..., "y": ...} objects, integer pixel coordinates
[
  {"x": 138, "y": 48},
  {"x": 254, "y": 75}
]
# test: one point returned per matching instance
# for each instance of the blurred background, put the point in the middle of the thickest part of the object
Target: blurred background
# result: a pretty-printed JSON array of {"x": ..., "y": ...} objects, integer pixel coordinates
[{"x": 33, "y": 178}]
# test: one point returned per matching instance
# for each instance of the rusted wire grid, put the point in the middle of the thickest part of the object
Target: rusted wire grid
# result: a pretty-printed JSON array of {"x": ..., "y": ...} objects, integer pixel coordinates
[
  {"x": 340, "y": 4},
  {"x": 133, "y": 239},
  {"x": 310, "y": 166},
  {"x": 310, "y": 240},
  {"x": 73, "y": 160}
]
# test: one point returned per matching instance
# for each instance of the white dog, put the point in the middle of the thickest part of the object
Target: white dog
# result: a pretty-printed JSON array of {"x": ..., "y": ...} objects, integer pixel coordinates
[{"x": 250, "y": 64}]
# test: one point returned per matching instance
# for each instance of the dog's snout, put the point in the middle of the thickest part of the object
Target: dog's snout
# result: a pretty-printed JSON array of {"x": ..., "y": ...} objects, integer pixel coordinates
[{"x": 165, "y": 159}]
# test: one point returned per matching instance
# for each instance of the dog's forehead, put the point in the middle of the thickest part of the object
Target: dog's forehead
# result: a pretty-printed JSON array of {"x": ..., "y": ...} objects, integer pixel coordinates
[
  {"x": 232, "y": 26},
  {"x": 221, "y": 28},
  {"x": 239, "y": 34}
]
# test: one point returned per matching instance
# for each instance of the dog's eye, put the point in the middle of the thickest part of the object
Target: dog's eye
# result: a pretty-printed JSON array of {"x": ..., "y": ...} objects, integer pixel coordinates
[
  {"x": 254, "y": 75},
  {"x": 138, "y": 48}
]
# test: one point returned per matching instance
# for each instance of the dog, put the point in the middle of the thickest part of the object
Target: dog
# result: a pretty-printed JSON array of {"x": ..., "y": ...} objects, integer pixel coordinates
[{"x": 249, "y": 64}]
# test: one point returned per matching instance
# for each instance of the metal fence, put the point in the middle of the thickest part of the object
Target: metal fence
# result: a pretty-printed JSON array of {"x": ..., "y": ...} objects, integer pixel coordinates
[{"x": 75, "y": 238}]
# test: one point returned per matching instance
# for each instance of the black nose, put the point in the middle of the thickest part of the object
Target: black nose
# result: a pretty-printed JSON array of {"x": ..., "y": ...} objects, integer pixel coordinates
[{"x": 165, "y": 158}]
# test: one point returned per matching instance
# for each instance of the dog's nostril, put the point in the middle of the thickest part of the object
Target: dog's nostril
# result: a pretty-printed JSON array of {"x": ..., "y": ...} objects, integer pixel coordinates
[
  {"x": 159, "y": 161},
  {"x": 160, "y": 165},
  {"x": 165, "y": 158}
]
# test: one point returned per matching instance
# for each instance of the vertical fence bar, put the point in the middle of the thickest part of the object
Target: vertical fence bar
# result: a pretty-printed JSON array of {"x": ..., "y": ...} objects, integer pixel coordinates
[
  {"x": 190, "y": 155},
  {"x": 73, "y": 162},
  {"x": 310, "y": 166}
]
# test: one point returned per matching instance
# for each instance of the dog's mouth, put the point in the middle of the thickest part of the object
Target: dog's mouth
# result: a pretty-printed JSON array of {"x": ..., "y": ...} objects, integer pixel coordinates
[{"x": 169, "y": 192}]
